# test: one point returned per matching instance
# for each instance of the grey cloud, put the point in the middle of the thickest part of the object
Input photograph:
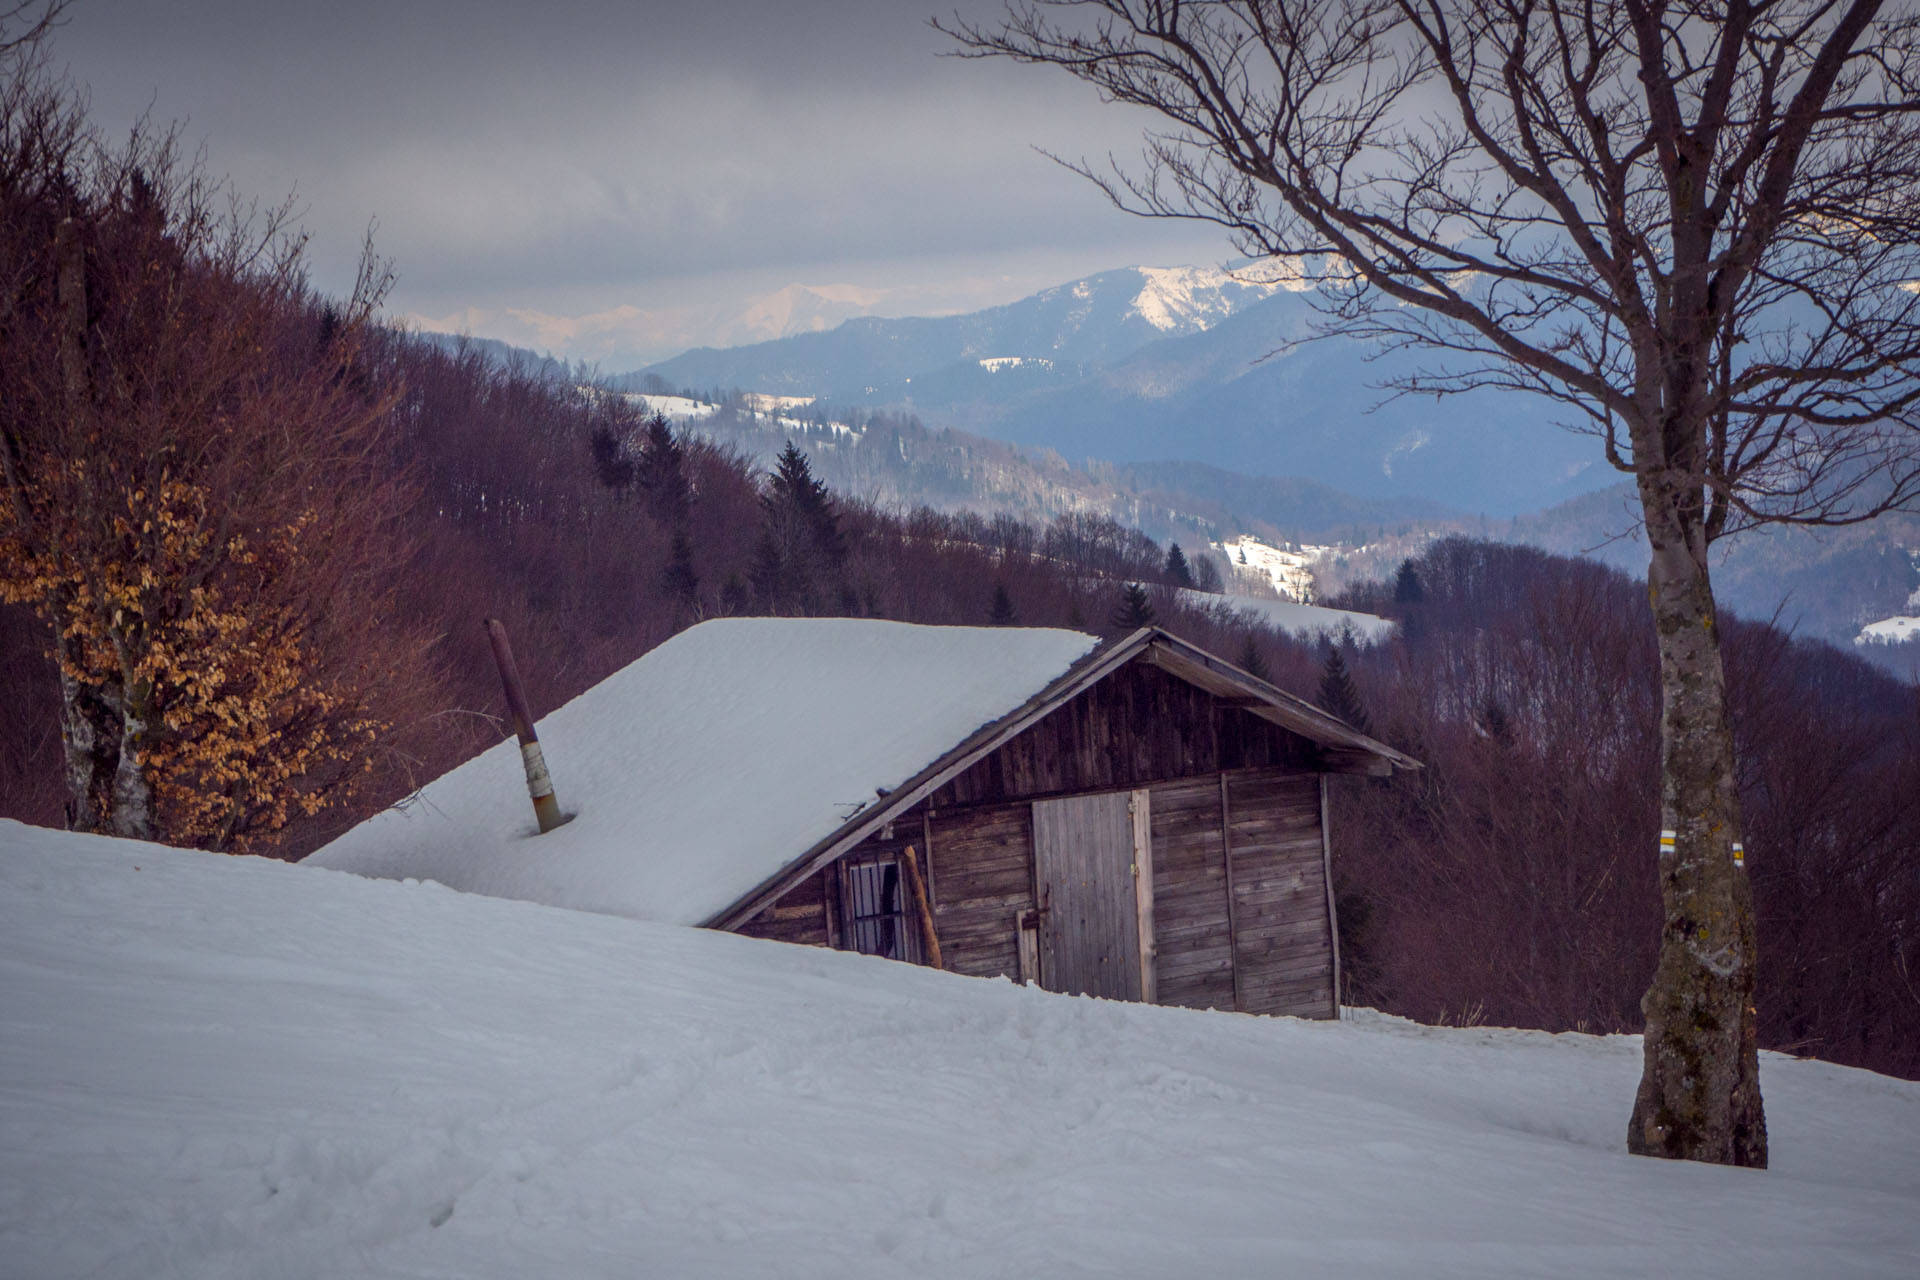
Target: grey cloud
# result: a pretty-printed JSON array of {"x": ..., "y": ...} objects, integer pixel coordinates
[{"x": 515, "y": 153}]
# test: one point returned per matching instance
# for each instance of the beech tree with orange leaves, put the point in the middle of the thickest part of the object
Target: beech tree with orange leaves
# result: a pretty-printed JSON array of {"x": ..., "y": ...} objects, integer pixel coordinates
[{"x": 197, "y": 492}]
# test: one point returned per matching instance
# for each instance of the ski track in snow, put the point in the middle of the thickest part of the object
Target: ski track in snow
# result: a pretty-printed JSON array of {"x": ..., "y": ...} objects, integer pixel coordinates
[{"x": 218, "y": 1067}]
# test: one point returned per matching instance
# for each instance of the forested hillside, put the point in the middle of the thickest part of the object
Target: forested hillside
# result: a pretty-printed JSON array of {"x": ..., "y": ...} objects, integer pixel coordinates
[{"x": 1512, "y": 881}]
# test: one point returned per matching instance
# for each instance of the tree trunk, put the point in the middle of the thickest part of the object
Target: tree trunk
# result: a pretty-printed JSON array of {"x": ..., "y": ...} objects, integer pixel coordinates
[
  {"x": 1699, "y": 1096},
  {"x": 102, "y": 730}
]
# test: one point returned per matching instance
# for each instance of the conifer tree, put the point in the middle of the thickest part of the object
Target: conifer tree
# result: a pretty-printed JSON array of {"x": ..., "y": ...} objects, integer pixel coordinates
[
  {"x": 1178, "y": 571},
  {"x": 1250, "y": 660},
  {"x": 1407, "y": 588},
  {"x": 1339, "y": 696},
  {"x": 801, "y": 554},
  {"x": 1133, "y": 611},
  {"x": 610, "y": 460},
  {"x": 1001, "y": 612},
  {"x": 661, "y": 472},
  {"x": 678, "y": 579}
]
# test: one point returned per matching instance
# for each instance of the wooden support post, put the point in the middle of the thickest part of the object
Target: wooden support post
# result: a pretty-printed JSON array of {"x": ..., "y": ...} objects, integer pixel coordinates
[
  {"x": 1233, "y": 923},
  {"x": 1333, "y": 914},
  {"x": 918, "y": 887},
  {"x": 1138, "y": 809},
  {"x": 546, "y": 809}
]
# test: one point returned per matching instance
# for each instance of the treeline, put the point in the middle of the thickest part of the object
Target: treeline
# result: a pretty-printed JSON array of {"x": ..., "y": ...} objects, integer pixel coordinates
[{"x": 1512, "y": 881}]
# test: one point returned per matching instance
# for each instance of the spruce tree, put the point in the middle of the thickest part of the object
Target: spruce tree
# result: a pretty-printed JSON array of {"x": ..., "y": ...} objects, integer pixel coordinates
[
  {"x": 1407, "y": 588},
  {"x": 1001, "y": 612},
  {"x": 678, "y": 579},
  {"x": 1250, "y": 660},
  {"x": 1133, "y": 611},
  {"x": 801, "y": 555},
  {"x": 610, "y": 460},
  {"x": 1338, "y": 694},
  {"x": 1178, "y": 572},
  {"x": 661, "y": 472}
]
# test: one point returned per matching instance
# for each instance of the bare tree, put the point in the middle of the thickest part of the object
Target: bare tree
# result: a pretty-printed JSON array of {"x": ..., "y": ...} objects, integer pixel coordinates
[
  {"x": 1696, "y": 224},
  {"x": 197, "y": 489},
  {"x": 25, "y": 24}
]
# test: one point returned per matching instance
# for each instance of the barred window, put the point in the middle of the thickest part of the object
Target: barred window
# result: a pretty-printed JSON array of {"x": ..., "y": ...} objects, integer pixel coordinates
[{"x": 876, "y": 915}]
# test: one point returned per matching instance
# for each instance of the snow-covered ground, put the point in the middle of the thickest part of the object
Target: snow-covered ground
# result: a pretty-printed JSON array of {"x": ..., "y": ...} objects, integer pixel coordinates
[
  {"x": 1895, "y": 630},
  {"x": 217, "y": 1067},
  {"x": 1310, "y": 621},
  {"x": 1288, "y": 570},
  {"x": 674, "y": 408},
  {"x": 1189, "y": 299},
  {"x": 763, "y": 410}
]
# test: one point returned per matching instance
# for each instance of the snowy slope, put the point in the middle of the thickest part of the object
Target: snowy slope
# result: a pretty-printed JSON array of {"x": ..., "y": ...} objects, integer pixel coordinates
[
  {"x": 1191, "y": 299},
  {"x": 1895, "y": 630},
  {"x": 1308, "y": 621},
  {"x": 216, "y": 1068},
  {"x": 704, "y": 767}
]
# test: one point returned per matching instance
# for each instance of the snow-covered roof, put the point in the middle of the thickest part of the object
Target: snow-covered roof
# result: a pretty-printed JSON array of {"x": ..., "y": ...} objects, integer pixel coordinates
[{"x": 704, "y": 768}]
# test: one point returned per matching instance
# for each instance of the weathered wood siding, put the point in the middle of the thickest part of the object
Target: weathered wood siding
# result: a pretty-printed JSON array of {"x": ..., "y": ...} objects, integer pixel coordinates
[
  {"x": 800, "y": 916},
  {"x": 1265, "y": 947},
  {"x": 982, "y": 881},
  {"x": 1138, "y": 726},
  {"x": 1283, "y": 942},
  {"x": 1194, "y": 949},
  {"x": 1083, "y": 865}
]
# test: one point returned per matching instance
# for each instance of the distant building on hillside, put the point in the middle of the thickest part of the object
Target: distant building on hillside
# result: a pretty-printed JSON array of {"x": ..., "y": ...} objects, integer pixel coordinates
[{"x": 1137, "y": 819}]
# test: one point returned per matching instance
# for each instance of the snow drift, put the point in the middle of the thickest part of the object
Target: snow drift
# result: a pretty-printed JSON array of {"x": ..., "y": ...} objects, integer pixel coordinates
[{"x": 215, "y": 1067}]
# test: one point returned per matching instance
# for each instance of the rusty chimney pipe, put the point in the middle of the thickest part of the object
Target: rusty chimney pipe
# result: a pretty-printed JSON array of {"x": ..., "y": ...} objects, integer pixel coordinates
[{"x": 539, "y": 785}]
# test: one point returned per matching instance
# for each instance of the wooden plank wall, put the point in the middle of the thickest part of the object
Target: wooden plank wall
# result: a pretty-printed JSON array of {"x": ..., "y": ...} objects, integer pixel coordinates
[
  {"x": 799, "y": 916},
  {"x": 979, "y": 862},
  {"x": 982, "y": 881},
  {"x": 1194, "y": 953},
  {"x": 1282, "y": 933},
  {"x": 1083, "y": 865},
  {"x": 1140, "y": 725}
]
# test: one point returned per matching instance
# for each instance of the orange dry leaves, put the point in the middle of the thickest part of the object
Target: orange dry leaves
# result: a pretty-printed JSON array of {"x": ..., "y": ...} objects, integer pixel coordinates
[{"x": 191, "y": 635}]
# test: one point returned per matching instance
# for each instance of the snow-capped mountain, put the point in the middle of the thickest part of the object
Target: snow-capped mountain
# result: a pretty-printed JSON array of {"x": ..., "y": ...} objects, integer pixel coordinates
[
  {"x": 1152, "y": 363},
  {"x": 1091, "y": 321}
]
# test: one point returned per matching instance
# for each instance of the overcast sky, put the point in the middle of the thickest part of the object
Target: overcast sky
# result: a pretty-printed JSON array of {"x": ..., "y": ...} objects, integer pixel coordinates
[{"x": 617, "y": 180}]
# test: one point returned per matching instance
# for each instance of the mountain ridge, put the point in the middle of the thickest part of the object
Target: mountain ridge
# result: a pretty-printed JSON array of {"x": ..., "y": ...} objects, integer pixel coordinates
[{"x": 1122, "y": 364}]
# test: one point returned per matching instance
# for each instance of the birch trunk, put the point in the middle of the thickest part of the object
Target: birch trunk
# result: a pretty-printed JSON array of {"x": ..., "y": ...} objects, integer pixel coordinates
[{"x": 1699, "y": 1096}]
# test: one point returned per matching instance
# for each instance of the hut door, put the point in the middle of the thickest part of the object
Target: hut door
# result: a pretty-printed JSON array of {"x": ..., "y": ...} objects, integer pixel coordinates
[{"x": 1095, "y": 888}]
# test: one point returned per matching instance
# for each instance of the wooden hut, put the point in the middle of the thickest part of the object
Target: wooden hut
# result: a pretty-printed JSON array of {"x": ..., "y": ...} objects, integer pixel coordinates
[
  {"x": 1151, "y": 826},
  {"x": 1135, "y": 819}
]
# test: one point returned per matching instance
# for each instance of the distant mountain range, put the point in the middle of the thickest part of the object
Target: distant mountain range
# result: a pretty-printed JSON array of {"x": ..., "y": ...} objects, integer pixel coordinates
[
  {"x": 1187, "y": 414},
  {"x": 1146, "y": 364}
]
